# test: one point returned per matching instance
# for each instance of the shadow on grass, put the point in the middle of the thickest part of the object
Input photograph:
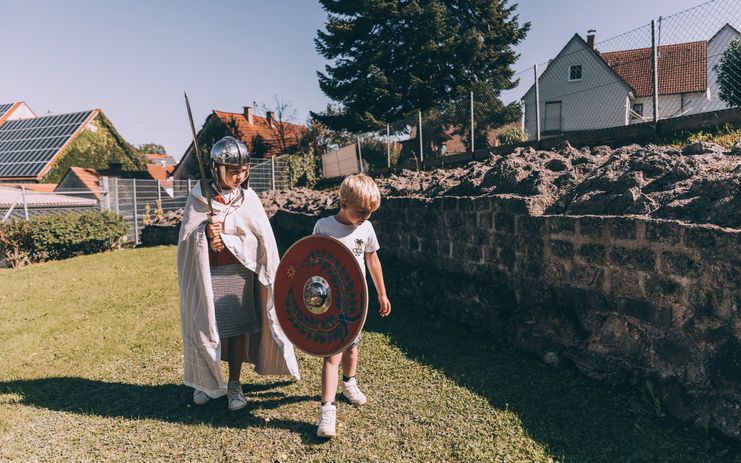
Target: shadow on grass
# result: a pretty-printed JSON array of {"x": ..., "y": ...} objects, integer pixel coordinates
[
  {"x": 575, "y": 418},
  {"x": 168, "y": 402}
]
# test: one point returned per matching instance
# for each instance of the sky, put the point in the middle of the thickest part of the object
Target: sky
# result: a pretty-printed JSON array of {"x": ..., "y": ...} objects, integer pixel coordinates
[{"x": 133, "y": 59}]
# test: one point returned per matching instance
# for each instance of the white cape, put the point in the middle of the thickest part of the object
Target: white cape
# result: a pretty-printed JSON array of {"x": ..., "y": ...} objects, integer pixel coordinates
[{"x": 249, "y": 236}]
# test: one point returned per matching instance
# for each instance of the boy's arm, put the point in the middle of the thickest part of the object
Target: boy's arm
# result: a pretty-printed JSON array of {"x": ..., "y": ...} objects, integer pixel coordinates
[{"x": 374, "y": 266}]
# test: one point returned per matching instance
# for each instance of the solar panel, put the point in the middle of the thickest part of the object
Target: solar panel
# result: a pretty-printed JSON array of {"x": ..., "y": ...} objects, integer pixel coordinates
[
  {"x": 27, "y": 145},
  {"x": 4, "y": 108}
]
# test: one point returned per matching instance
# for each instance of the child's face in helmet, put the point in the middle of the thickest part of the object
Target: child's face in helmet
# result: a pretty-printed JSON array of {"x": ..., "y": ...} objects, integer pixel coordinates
[{"x": 233, "y": 176}]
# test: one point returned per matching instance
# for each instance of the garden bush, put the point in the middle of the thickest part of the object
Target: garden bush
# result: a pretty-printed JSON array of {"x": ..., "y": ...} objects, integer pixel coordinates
[{"x": 60, "y": 236}]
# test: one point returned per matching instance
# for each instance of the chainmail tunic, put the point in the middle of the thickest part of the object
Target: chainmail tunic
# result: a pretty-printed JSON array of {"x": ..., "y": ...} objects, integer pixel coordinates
[{"x": 233, "y": 300}]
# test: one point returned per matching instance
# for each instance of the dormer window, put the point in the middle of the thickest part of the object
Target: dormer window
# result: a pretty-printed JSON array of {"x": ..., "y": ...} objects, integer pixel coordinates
[{"x": 575, "y": 72}]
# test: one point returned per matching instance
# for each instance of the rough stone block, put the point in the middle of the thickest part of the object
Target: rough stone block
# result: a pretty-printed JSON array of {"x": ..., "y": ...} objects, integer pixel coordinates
[
  {"x": 479, "y": 237},
  {"x": 475, "y": 254},
  {"x": 643, "y": 310},
  {"x": 504, "y": 222},
  {"x": 507, "y": 256},
  {"x": 485, "y": 220},
  {"x": 453, "y": 220},
  {"x": 592, "y": 226},
  {"x": 563, "y": 249},
  {"x": 700, "y": 238},
  {"x": 623, "y": 228},
  {"x": 680, "y": 264},
  {"x": 663, "y": 232},
  {"x": 529, "y": 227},
  {"x": 514, "y": 205},
  {"x": 626, "y": 283},
  {"x": 562, "y": 225},
  {"x": 663, "y": 289},
  {"x": 640, "y": 259},
  {"x": 593, "y": 253},
  {"x": 449, "y": 203},
  {"x": 587, "y": 277}
]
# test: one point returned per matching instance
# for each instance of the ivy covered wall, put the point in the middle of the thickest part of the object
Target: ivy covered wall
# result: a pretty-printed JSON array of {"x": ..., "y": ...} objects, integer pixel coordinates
[{"x": 95, "y": 148}]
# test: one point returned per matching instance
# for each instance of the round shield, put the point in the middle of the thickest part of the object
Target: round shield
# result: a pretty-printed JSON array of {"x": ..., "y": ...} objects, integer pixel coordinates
[{"x": 320, "y": 294}]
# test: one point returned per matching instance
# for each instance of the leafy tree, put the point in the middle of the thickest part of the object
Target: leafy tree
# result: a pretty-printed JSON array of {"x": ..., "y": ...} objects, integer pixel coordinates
[
  {"x": 391, "y": 58},
  {"x": 729, "y": 74},
  {"x": 150, "y": 148}
]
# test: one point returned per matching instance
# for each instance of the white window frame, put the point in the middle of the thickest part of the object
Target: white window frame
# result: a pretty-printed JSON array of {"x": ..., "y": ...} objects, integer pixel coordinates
[
  {"x": 581, "y": 67},
  {"x": 633, "y": 109}
]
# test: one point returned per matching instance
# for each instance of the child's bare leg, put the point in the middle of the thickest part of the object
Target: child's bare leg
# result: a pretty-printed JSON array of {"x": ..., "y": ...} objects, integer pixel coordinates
[
  {"x": 350, "y": 362},
  {"x": 235, "y": 356},
  {"x": 330, "y": 368}
]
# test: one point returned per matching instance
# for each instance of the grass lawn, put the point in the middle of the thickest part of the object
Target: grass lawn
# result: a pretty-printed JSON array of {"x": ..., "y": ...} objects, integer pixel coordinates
[{"x": 91, "y": 367}]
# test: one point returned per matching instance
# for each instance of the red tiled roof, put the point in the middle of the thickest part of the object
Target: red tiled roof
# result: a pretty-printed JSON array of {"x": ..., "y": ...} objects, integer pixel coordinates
[
  {"x": 682, "y": 68},
  {"x": 89, "y": 177},
  {"x": 260, "y": 126},
  {"x": 158, "y": 172}
]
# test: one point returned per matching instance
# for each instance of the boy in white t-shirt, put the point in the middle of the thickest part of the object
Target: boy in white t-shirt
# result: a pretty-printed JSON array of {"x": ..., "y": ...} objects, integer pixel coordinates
[{"x": 359, "y": 198}]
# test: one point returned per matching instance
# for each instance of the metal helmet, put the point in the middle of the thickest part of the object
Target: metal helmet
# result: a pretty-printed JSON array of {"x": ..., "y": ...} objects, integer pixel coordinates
[{"x": 228, "y": 152}]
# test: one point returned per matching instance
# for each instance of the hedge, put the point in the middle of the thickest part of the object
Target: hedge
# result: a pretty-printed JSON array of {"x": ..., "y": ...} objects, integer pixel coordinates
[{"x": 59, "y": 236}]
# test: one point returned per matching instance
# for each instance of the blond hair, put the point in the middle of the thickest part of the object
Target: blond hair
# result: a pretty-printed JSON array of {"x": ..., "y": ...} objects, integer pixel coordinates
[{"x": 360, "y": 190}]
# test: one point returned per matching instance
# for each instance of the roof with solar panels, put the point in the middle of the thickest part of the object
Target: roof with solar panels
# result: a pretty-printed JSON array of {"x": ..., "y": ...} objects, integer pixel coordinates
[{"x": 30, "y": 144}]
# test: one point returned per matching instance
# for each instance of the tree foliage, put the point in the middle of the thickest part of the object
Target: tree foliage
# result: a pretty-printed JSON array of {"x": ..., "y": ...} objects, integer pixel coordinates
[
  {"x": 151, "y": 148},
  {"x": 390, "y": 57},
  {"x": 729, "y": 74}
]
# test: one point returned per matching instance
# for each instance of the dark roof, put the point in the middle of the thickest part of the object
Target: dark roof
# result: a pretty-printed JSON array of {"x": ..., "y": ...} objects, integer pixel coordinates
[{"x": 28, "y": 146}]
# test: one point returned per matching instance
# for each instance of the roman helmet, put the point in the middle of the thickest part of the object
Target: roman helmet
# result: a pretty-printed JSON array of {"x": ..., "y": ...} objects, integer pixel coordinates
[{"x": 228, "y": 152}]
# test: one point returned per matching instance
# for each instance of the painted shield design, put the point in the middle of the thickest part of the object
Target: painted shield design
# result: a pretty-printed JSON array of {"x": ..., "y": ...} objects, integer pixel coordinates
[{"x": 321, "y": 297}]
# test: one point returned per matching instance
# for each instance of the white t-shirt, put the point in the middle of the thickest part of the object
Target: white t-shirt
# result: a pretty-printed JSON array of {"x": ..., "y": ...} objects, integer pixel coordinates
[{"x": 358, "y": 239}]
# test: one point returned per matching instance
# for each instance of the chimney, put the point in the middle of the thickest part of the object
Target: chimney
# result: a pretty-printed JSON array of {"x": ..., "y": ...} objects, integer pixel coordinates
[
  {"x": 248, "y": 113},
  {"x": 590, "y": 38},
  {"x": 270, "y": 116}
]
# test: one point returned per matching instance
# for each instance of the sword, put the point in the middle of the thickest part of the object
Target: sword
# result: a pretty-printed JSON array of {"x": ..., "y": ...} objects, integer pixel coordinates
[{"x": 204, "y": 186}]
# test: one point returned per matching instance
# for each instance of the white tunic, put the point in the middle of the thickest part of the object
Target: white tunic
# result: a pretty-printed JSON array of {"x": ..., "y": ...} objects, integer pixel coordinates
[{"x": 249, "y": 236}]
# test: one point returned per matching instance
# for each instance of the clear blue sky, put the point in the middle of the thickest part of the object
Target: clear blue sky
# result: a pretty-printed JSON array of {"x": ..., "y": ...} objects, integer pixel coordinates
[{"x": 133, "y": 59}]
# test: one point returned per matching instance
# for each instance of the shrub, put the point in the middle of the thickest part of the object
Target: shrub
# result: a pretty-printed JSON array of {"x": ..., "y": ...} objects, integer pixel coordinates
[
  {"x": 302, "y": 170},
  {"x": 15, "y": 242},
  {"x": 511, "y": 136},
  {"x": 60, "y": 236}
]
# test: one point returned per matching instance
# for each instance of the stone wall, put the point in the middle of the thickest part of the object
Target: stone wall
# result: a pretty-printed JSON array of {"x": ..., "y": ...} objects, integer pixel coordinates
[{"x": 652, "y": 304}]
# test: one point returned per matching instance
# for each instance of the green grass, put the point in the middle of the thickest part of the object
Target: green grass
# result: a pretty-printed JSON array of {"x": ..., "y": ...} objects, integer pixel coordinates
[{"x": 90, "y": 369}]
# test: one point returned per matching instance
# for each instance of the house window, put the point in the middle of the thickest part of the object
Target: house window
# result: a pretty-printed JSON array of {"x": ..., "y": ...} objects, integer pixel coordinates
[
  {"x": 575, "y": 72},
  {"x": 637, "y": 110}
]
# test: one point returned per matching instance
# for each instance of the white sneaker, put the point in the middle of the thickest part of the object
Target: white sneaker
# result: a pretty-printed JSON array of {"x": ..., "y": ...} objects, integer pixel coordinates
[
  {"x": 200, "y": 397},
  {"x": 352, "y": 392},
  {"x": 235, "y": 396},
  {"x": 327, "y": 421}
]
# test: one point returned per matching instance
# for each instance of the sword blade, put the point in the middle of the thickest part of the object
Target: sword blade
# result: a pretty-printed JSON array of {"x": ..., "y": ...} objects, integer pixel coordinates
[{"x": 204, "y": 185}]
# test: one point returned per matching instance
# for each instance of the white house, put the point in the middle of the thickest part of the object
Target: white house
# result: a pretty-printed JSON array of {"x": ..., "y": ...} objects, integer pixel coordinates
[{"x": 584, "y": 89}]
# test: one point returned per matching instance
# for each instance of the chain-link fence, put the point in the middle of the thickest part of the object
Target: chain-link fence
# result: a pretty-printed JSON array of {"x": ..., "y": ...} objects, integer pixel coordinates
[
  {"x": 685, "y": 64},
  {"x": 138, "y": 201}
]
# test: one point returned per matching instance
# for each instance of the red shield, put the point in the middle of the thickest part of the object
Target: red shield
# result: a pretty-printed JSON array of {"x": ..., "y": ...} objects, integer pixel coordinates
[{"x": 320, "y": 294}]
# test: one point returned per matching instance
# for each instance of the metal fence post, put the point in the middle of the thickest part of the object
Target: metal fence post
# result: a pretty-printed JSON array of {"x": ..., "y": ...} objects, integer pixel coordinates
[
  {"x": 104, "y": 198},
  {"x": 272, "y": 171},
  {"x": 25, "y": 203},
  {"x": 654, "y": 67},
  {"x": 159, "y": 194},
  {"x": 388, "y": 146},
  {"x": 537, "y": 104},
  {"x": 189, "y": 187},
  {"x": 472, "y": 133},
  {"x": 360, "y": 156},
  {"x": 136, "y": 219},
  {"x": 118, "y": 205},
  {"x": 421, "y": 149}
]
